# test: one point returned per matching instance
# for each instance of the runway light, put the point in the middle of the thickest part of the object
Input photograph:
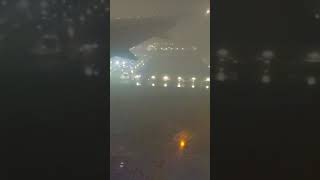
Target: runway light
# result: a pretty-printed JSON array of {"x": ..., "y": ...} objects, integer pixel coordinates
[
  {"x": 165, "y": 78},
  {"x": 137, "y": 76}
]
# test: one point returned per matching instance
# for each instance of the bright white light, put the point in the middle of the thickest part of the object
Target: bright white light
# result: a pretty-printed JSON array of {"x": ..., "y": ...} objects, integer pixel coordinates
[
  {"x": 166, "y": 78},
  {"x": 208, "y": 11},
  {"x": 165, "y": 84},
  {"x": 117, "y": 62},
  {"x": 193, "y": 78},
  {"x": 208, "y": 79},
  {"x": 138, "y": 84},
  {"x": 207, "y": 87},
  {"x": 121, "y": 164},
  {"x": 179, "y": 78},
  {"x": 137, "y": 76},
  {"x": 153, "y": 77},
  {"x": 193, "y": 86},
  {"x": 179, "y": 85},
  {"x": 153, "y": 85}
]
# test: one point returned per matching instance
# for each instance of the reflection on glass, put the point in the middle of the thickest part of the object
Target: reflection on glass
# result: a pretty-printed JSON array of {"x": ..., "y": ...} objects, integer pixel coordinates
[{"x": 160, "y": 110}]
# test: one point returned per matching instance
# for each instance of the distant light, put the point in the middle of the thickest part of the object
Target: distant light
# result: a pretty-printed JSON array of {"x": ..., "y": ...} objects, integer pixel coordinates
[
  {"x": 179, "y": 85},
  {"x": 137, "y": 76},
  {"x": 208, "y": 11},
  {"x": 179, "y": 78},
  {"x": 121, "y": 164},
  {"x": 266, "y": 79},
  {"x": 182, "y": 144},
  {"x": 153, "y": 85},
  {"x": 223, "y": 52},
  {"x": 193, "y": 86},
  {"x": 153, "y": 77},
  {"x": 138, "y": 84},
  {"x": 221, "y": 75},
  {"x": 193, "y": 78},
  {"x": 208, "y": 79},
  {"x": 165, "y": 78},
  {"x": 207, "y": 87},
  {"x": 311, "y": 80},
  {"x": 268, "y": 54},
  {"x": 165, "y": 85},
  {"x": 117, "y": 62}
]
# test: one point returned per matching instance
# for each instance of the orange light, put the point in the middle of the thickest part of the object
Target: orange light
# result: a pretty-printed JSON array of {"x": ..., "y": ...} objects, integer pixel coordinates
[{"x": 182, "y": 144}]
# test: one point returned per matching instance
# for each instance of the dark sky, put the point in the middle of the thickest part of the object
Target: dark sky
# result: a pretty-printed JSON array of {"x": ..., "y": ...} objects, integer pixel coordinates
[{"x": 266, "y": 22}]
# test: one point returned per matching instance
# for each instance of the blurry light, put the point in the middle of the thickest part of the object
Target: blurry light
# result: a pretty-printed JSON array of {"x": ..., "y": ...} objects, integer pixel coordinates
[
  {"x": 137, "y": 76},
  {"x": 182, "y": 144},
  {"x": 179, "y": 85},
  {"x": 266, "y": 79},
  {"x": 153, "y": 77},
  {"x": 165, "y": 84},
  {"x": 193, "y": 86},
  {"x": 207, "y": 87},
  {"x": 153, "y": 84},
  {"x": 193, "y": 78},
  {"x": 223, "y": 52},
  {"x": 311, "y": 80},
  {"x": 121, "y": 164},
  {"x": 138, "y": 84},
  {"x": 208, "y": 79},
  {"x": 179, "y": 78},
  {"x": 165, "y": 78},
  {"x": 268, "y": 54},
  {"x": 208, "y": 11},
  {"x": 117, "y": 62}
]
